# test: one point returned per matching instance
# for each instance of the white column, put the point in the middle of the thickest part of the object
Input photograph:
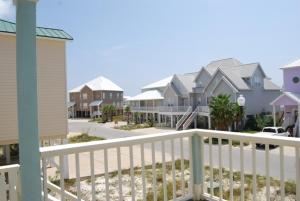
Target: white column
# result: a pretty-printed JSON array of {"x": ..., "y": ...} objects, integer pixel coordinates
[
  {"x": 66, "y": 174},
  {"x": 172, "y": 121},
  {"x": 274, "y": 115},
  {"x": 98, "y": 110}
]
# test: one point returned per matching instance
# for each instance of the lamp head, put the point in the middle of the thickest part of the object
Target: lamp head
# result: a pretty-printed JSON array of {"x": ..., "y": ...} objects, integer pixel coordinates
[{"x": 241, "y": 100}]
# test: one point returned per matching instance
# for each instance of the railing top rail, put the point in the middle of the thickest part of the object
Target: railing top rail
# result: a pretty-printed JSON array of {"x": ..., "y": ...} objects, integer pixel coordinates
[
  {"x": 256, "y": 138},
  {"x": 113, "y": 143},
  {"x": 9, "y": 167}
]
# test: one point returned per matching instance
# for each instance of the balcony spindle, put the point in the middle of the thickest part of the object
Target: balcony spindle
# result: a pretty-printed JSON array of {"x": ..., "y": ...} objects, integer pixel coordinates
[
  {"x": 78, "y": 186},
  {"x": 163, "y": 152},
  {"x": 153, "y": 172},
  {"x": 198, "y": 180},
  {"x": 62, "y": 181},
  {"x": 182, "y": 167},
  {"x": 242, "y": 170},
  {"x": 143, "y": 171},
  {"x": 282, "y": 184},
  {"x": 173, "y": 169},
  {"x": 230, "y": 171},
  {"x": 211, "y": 173},
  {"x": 120, "y": 174},
  {"x": 297, "y": 162},
  {"x": 132, "y": 173},
  {"x": 254, "y": 170},
  {"x": 92, "y": 164},
  {"x": 220, "y": 170},
  {"x": 267, "y": 159},
  {"x": 106, "y": 176}
]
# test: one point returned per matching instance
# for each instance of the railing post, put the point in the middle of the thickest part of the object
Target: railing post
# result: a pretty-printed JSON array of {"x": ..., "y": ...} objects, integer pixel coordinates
[
  {"x": 27, "y": 100},
  {"x": 198, "y": 174}
]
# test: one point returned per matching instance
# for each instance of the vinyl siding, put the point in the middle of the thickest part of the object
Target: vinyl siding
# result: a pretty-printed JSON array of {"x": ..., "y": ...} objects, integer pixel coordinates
[{"x": 51, "y": 89}]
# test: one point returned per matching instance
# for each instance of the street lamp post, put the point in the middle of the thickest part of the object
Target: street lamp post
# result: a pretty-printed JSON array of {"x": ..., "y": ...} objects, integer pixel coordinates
[{"x": 241, "y": 101}]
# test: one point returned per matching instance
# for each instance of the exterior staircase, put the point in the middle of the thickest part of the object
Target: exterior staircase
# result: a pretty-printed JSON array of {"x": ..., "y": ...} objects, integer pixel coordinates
[
  {"x": 184, "y": 118},
  {"x": 191, "y": 118}
]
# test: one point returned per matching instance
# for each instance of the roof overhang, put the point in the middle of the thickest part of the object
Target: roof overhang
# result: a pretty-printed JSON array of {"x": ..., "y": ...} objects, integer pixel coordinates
[
  {"x": 287, "y": 98},
  {"x": 96, "y": 103},
  {"x": 147, "y": 95}
]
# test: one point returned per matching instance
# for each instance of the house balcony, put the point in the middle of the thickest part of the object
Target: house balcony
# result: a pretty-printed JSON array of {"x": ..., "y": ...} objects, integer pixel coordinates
[
  {"x": 184, "y": 165},
  {"x": 160, "y": 109}
]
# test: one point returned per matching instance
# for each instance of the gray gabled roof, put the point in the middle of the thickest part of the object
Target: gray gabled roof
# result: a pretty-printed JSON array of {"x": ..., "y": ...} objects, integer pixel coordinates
[
  {"x": 214, "y": 65},
  {"x": 235, "y": 79},
  {"x": 187, "y": 80},
  {"x": 269, "y": 85},
  {"x": 245, "y": 70}
]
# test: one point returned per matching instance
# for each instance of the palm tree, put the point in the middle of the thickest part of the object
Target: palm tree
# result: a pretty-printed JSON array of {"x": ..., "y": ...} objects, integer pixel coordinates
[
  {"x": 108, "y": 112},
  {"x": 222, "y": 111},
  {"x": 127, "y": 111}
]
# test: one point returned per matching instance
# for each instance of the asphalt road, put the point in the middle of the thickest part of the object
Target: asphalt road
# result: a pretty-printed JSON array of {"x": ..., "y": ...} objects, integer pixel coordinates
[{"x": 289, "y": 157}]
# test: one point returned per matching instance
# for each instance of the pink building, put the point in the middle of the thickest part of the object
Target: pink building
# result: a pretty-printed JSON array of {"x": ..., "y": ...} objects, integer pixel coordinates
[{"x": 290, "y": 98}]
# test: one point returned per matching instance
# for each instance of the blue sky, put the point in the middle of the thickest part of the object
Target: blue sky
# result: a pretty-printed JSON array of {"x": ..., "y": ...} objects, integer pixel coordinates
[{"x": 135, "y": 42}]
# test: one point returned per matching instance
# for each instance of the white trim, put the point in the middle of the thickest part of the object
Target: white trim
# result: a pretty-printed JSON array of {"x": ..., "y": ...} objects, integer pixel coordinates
[
  {"x": 282, "y": 95},
  {"x": 226, "y": 82}
]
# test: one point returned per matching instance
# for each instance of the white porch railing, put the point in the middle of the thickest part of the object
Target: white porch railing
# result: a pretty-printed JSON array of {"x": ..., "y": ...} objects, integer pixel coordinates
[
  {"x": 144, "y": 151},
  {"x": 183, "y": 118},
  {"x": 9, "y": 183},
  {"x": 199, "y": 157},
  {"x": 162, "y": 109},
  {"x": 156, "y": 156},
  {"x": 203, "y": 109}
]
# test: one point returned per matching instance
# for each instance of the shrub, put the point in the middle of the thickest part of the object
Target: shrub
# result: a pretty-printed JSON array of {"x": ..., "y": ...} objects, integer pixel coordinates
[{"x": 84, "y": 138}]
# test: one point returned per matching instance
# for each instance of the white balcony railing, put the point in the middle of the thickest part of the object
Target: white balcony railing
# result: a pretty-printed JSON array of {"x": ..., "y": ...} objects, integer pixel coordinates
[
  {"x": 177, "y": 166},
  {"x": 159, "y": 108},
  {"x": 9, "y": 183}
]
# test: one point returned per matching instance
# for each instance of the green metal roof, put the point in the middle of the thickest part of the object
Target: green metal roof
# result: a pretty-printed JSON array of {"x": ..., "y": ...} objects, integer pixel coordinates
[{"x": 10, "y": 27}]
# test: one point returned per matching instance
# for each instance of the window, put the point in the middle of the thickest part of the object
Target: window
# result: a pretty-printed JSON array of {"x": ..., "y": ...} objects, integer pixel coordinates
[
  {"x": 257, "y": 81},
  {"x": 118, "y": 95},
  {"x": 110, "y": 95},
  {"x": 85, "y": 105},
  {"x": 84, "y": 96},
  {"x": 296, "y": 80}
]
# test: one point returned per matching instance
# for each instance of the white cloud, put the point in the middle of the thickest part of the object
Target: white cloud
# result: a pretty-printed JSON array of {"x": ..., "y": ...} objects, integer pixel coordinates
[{"x": 6, "y": 8}]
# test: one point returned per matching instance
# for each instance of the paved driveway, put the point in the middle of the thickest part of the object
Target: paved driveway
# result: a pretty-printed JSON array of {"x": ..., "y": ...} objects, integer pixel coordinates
[{"x": 110, "y": 133}]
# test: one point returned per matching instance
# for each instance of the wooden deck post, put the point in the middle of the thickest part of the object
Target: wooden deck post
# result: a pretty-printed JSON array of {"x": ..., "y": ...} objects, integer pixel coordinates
[
  {"x": 27, "y": 100},
  {"x": 198, "y": 174}
]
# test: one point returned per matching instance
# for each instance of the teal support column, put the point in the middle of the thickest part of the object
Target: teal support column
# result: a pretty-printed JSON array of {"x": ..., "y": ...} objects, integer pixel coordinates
[
  {"x": 198, "y": 179},
  {"x": 27, "y": 101}
]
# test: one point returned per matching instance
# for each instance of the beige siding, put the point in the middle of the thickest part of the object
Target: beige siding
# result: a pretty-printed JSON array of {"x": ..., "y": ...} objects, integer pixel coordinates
[{"x": 51, "y": 89}]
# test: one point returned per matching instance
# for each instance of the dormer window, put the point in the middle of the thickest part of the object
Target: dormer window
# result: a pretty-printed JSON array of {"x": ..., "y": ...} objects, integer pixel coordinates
[{"x": 296, "y": 80}]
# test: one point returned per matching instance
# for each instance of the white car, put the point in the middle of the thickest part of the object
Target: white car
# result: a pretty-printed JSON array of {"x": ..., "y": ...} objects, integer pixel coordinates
[{"x": 273, "y": 131}]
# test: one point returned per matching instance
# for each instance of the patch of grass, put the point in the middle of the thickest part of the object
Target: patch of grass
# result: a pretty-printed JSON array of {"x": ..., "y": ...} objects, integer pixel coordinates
[
  {"x": 249, "y": 131},
  {"x": 133, "y": 126},
  {"x": 98, "y": 120},
  {"x": 215, "y": 141},
  {"x": 84, "y": 138}
]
